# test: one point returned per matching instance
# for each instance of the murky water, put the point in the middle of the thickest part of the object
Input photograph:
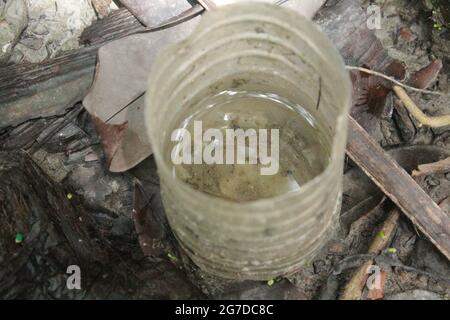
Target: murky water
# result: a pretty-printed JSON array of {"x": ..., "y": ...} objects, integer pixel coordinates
[{"x": 303, "y": 150}]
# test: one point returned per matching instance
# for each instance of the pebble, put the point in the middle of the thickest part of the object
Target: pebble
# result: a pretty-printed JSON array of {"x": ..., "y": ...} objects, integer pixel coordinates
[{"x": 53, "y": 26}]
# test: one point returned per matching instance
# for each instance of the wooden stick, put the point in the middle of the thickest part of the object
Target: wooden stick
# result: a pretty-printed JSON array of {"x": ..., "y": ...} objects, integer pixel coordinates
[{"x": 398, "y": 185}]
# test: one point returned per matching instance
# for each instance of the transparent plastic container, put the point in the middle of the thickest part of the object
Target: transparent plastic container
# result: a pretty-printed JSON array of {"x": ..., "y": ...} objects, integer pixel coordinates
[{"x": 255, "y": 47}]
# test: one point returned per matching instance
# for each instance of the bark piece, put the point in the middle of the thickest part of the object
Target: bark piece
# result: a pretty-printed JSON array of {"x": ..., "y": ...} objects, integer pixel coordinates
[{"x": 44, "y": 89}]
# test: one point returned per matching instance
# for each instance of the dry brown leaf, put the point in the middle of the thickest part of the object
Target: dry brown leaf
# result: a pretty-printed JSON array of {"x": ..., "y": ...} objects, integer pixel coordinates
[
  {"x": 111, "y": 136},
  {"x": 155, "y": 12},
  {"x": 116, "y": 95},
  {"x": 135, "y": 146},
  {"x": 423, "y": 78}
]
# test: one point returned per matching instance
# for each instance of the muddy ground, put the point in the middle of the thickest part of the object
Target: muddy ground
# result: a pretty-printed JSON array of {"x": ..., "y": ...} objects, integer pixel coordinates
[{"x": 71, "y": 166}]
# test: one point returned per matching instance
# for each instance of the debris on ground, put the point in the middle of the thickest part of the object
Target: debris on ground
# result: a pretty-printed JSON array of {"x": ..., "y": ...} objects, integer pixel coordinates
[{"x": 114, "y": 225}]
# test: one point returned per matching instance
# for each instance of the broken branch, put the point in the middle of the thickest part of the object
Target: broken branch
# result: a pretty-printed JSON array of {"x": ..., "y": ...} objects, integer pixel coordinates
[
  {"x": 398, "y": 185},
  {"x": 431, "y": 168}
]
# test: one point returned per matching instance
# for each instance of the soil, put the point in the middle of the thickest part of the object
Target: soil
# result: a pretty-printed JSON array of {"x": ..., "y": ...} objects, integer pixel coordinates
[{"x": 72, "y": 162}]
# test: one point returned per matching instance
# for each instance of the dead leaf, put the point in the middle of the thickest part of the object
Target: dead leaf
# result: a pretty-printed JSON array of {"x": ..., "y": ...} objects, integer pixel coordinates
[
  {"x": 135, "y": 146},
  {"x": 155, "y": 12},
  {"x": 116, "y": 95},
  {"x": 423, "y": 78},
  {"x": 111, "y": 136}
]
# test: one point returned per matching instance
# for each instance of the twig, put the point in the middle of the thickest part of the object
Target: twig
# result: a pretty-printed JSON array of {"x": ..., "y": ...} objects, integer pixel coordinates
[
  {"x": 430, "y": 168},
  {"x": 353, "y": 289},
  {"x": 399, "y": 186},
  {"x": 398, "y": 83},
  {"x": 434, "y": 122},
  {"x": 319, "y": 94}
]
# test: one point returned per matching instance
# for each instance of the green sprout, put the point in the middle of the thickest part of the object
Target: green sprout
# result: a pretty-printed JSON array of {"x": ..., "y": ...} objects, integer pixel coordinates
[
  {"x": 392, "y": 250},
  {"x": 172, "y": 257},
  {"x": 19, "y": 238},
  {"x": 381, "y": 235}
]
